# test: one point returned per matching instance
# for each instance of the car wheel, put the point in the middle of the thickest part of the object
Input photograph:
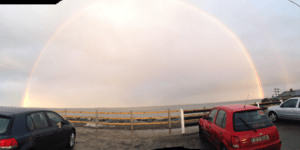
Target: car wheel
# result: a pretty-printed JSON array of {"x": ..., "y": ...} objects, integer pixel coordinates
[
  {"x": 201, "y": 135},
  {"x": 273, "y": 116},
  {"x": 71, "y": 141}
]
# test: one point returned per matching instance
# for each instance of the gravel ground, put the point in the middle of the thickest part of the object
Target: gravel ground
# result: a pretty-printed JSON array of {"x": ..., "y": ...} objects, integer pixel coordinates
[
  {"x": 105, "y": 139},
  {"x": 89, "y": 138}
]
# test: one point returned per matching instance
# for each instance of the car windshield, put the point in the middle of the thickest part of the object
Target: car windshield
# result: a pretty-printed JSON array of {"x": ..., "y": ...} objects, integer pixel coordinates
[
  {"x": 256, "y": 119},
  {"x": 4, "y": 122}
]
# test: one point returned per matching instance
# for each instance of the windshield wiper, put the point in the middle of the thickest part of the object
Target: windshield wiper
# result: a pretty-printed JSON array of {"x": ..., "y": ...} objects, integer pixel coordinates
[{"x": 246, "y": 124}]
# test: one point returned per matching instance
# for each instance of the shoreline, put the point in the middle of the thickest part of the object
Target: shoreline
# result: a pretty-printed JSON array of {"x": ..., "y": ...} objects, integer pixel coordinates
[{"x": 156, "y": 107}]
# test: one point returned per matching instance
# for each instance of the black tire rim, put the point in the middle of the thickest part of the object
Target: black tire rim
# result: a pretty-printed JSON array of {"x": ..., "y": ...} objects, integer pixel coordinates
[{"x": 273, "y": 116}]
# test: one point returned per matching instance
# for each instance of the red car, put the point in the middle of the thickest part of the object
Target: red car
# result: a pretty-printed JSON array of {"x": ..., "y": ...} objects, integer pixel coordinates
[{"x": 239, "y": 127}]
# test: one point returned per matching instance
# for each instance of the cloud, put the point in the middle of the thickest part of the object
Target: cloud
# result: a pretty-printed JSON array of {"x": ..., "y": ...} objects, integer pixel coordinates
[
  {"x": 269, "y": 31},
  {"x": 170, "y": 55},
  {"x": 134, "y": 53},
  {"x": 12, "y": 85}
]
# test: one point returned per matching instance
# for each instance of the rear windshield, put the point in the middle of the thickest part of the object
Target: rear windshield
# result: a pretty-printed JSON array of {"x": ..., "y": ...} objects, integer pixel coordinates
[
  {"x": 4, "y": 123},
  {"x": 255, "y": 119}
]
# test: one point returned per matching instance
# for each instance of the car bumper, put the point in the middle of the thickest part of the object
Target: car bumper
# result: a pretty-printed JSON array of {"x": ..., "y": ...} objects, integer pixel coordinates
[
  {"x": 10, "y": 148},
  {"x": 271, "y": 146}
]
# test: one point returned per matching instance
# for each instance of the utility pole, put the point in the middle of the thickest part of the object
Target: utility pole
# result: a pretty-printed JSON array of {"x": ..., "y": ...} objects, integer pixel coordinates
[{"x": 276, "y": 90}]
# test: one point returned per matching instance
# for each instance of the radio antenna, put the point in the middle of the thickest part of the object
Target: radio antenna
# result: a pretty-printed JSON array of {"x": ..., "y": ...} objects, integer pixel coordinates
[{"x": 246, "y": 101}]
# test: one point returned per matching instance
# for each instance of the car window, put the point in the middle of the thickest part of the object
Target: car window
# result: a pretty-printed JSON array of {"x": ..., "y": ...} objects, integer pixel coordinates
[
  {"x": 290, "y": 103},
  {"x": 30, "y": 124},
  {"x": 39, "y": 120},
  {"x": 255, "y": 119},
  {"x": 4, "y": 122},
  {"x": 224, "y": 121},
  {"x": 54, "y": 118},
  {"x": 220, "y": 118},
  {"x": 212, "y": 114}
]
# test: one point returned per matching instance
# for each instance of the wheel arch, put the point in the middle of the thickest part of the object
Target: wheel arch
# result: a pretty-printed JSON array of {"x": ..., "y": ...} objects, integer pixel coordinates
[
  {"x": 222, "y": 144},
  {"x": 73, "y": 129},
  {"x": 272, "y": 111},
  {"x": 226, "y": 141}
]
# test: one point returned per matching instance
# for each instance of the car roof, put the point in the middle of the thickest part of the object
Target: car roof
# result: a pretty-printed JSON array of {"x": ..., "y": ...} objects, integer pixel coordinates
[
  {"x": 9, "y": 111},
  {"x": 237, "y": 107}
]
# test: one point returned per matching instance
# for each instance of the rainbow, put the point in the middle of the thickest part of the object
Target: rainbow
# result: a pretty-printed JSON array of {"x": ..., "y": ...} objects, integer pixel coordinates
[
  {"x": 25, "y": 98},
  {"x": 231, "y": 33},
  {"x": 273, "y": 45}
]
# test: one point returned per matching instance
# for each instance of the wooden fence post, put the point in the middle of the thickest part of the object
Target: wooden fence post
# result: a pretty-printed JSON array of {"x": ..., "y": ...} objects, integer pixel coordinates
[
  {"x": 96, "y": 119},
  {"x": 182, "y": 121},
  {"x": 131, "y": 120},
  {"x": 169, "y": 115},
  {"x": 65, "y": 114},
  {"x": 257, "y": 104}
]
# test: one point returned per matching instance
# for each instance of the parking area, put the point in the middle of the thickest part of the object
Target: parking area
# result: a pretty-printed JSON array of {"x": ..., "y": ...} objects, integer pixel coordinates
[
  {"x": 289, "y": 132},
  {"x": 96, "y": 139}
]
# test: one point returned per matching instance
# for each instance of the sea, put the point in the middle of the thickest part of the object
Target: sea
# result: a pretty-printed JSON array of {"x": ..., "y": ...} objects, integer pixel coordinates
[{"x": 150, "y": 108}]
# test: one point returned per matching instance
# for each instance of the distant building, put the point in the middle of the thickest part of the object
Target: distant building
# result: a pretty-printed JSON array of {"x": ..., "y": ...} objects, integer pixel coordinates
[
  {"x": 288, "y": 94},
  {"x": 273, "y": 99}
]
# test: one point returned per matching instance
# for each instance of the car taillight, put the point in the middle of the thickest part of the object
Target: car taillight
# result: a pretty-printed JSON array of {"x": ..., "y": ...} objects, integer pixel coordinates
[
  {"x": 235, "y": 142},
  {"x": 8, "y": 143}
]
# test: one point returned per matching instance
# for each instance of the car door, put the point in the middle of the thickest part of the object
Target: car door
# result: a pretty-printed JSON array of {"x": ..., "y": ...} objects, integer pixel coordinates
[
  {"x": 207, "y": 126},
  {"x": 297, "y": 111},
  {"x": 40, "y": 131},
  {"x": 61, "y": 132},
  {"x": 218, "y": 128},
  {"x": 287, "y": 109}
]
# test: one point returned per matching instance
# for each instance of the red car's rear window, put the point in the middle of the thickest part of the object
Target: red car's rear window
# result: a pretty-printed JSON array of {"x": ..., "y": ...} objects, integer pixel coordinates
[{"x": 255, "y": 119}]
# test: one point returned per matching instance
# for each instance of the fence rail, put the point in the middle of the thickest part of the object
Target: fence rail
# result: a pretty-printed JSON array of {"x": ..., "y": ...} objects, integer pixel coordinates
[{"x": 191, "y": 119}]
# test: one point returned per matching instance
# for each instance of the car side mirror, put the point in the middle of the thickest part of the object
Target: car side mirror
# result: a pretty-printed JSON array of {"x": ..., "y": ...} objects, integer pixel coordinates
[{"x": 65, "y": 122}]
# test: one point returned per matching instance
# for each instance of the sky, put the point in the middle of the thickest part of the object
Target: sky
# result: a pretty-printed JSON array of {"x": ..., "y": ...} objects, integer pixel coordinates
[{"x": 113, "y": 53}]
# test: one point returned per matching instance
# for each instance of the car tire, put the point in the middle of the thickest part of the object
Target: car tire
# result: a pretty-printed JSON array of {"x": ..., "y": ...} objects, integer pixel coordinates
[
  {"x": 71, "y": 141},
  {"x": 273, "y": 116},
  {"x": 201, "y": 135}
]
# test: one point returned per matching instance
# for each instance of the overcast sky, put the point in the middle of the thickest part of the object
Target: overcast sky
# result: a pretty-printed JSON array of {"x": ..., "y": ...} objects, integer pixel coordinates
[{"x": 113, "y": 53}]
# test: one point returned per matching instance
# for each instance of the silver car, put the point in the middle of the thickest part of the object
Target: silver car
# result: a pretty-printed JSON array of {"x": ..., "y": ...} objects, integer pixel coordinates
[{"x": 290, "y": 109}]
